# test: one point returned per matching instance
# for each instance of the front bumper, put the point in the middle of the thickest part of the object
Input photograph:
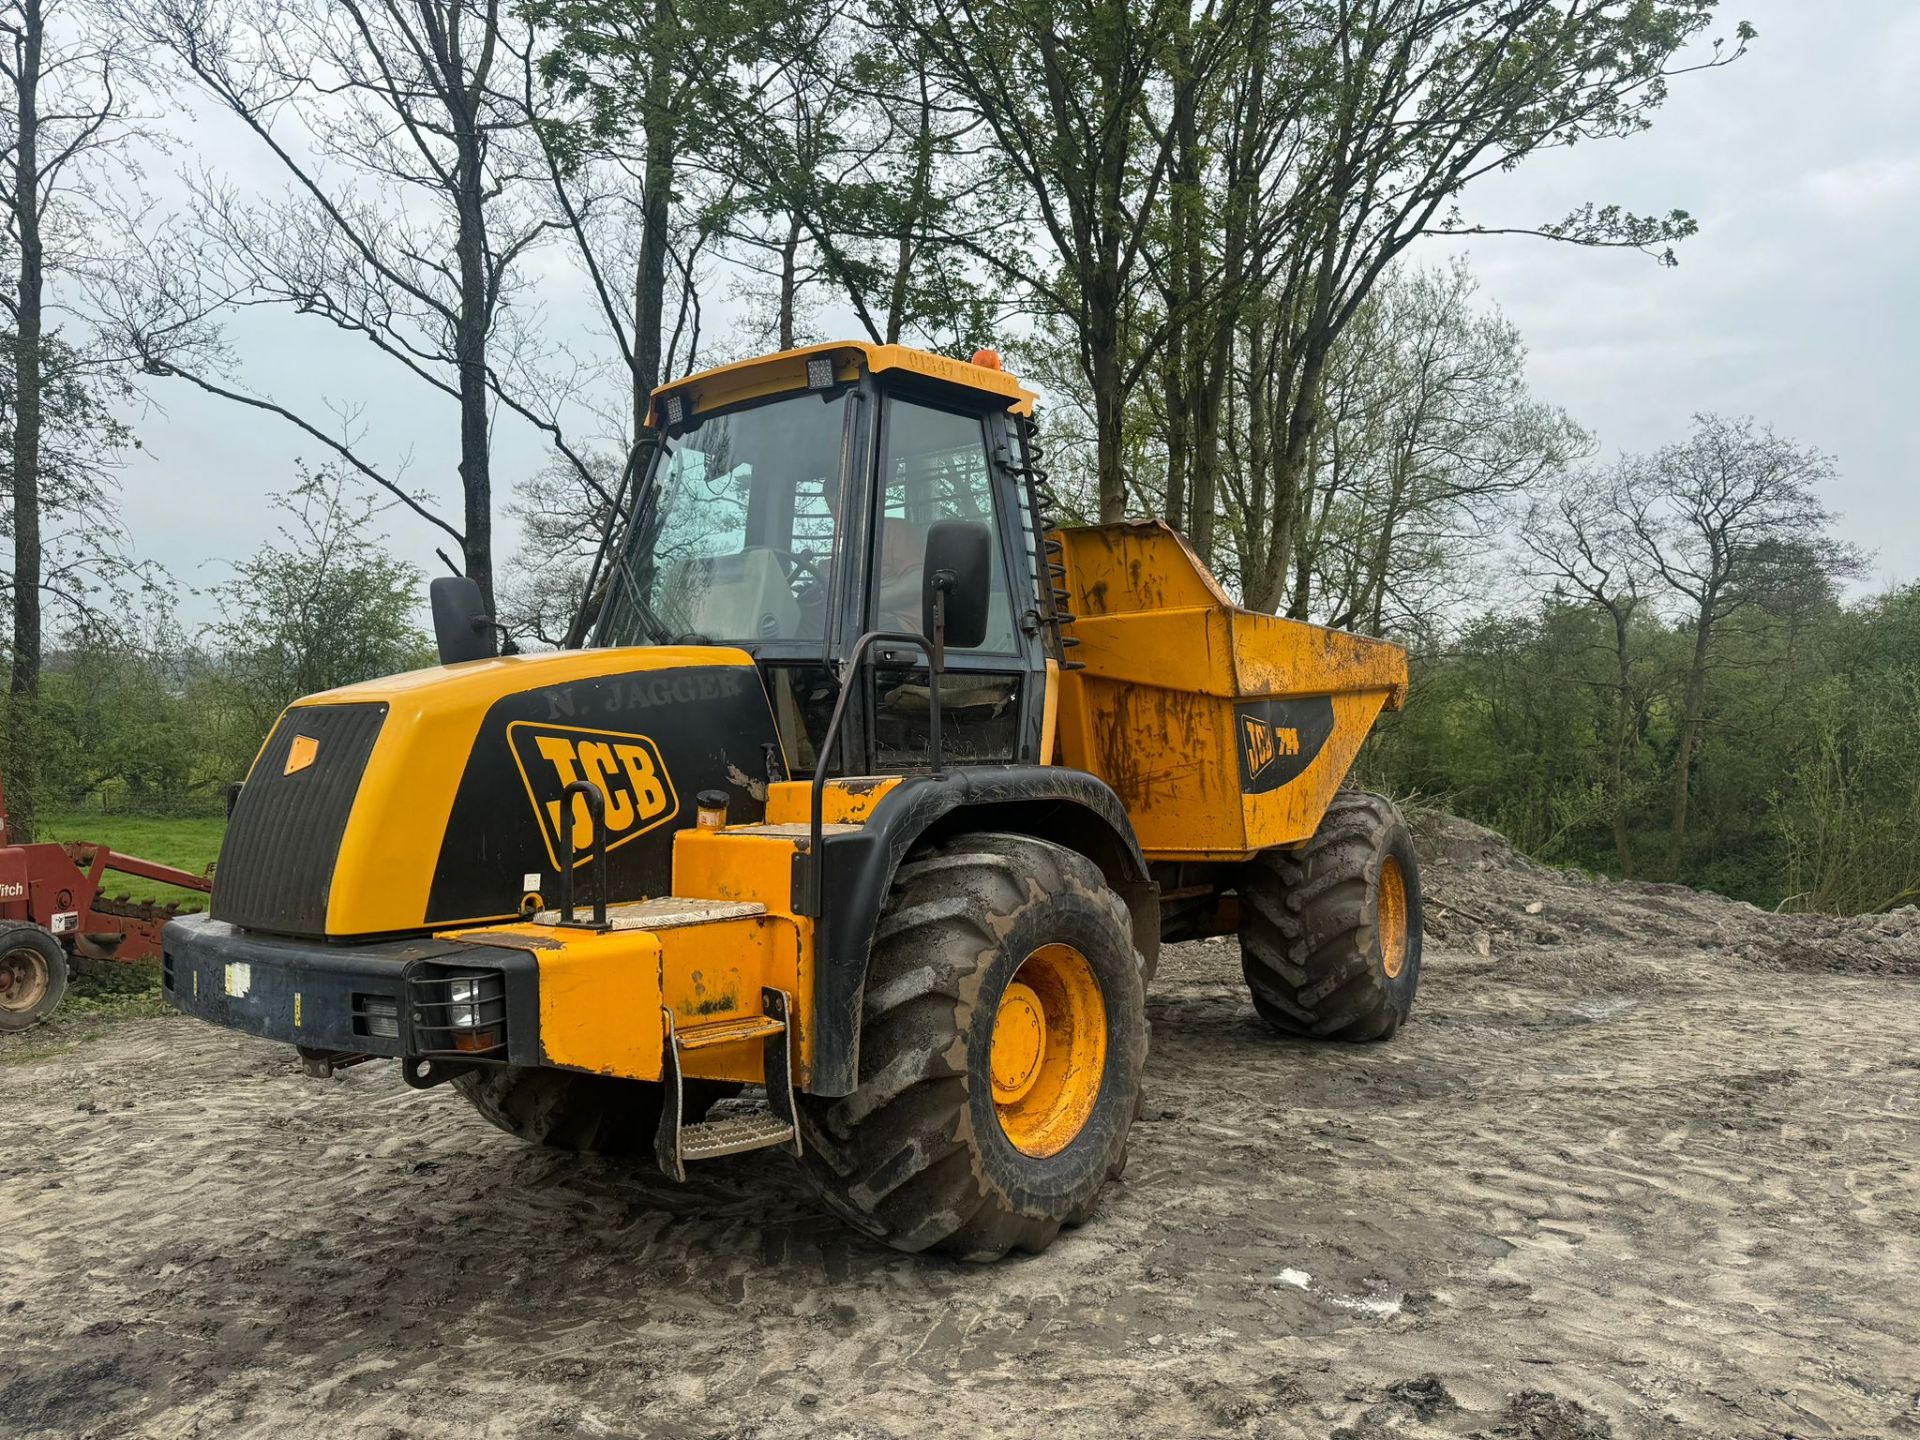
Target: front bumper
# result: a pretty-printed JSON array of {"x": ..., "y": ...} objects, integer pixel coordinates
[{"x": 389, "y": 997}]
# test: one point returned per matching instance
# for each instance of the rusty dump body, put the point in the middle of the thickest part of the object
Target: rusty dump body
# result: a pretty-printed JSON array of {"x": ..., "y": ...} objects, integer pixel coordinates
[{"x": 1223, "y": 731}]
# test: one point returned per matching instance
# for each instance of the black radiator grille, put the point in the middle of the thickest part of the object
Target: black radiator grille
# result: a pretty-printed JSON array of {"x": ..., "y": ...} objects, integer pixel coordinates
[{"x": 276, "y": 863}]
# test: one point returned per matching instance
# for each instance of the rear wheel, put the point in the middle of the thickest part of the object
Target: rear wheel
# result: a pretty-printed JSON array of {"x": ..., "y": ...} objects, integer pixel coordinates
[
  {"x": 33, "y": 976},
  {"x": 1003, "y": 1038},
  {"x": 1330, "y": 932},
  {"x": 571, "y": 1110}
]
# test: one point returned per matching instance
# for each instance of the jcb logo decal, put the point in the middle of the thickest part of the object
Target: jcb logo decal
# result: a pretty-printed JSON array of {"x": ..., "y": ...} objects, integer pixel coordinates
[
  {"x": 1267, "y": 742},
  {"x": 1279, "y": 739},
  {"x": 627, "y": 768}
]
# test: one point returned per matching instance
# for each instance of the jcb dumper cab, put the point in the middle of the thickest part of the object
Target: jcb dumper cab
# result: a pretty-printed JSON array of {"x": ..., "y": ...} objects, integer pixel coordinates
[{"x": 854, "y": 830}]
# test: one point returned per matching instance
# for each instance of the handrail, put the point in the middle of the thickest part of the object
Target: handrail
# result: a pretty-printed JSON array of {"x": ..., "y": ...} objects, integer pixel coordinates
[
  {"x": 597, "y": 816},
  {"x": 817, "y": 803}
]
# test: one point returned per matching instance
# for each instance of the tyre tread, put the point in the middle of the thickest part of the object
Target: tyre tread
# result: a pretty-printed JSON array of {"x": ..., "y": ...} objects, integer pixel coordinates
[
  {"x": 1306, "y": 924},
  {"x": 895, "y": 1158}
]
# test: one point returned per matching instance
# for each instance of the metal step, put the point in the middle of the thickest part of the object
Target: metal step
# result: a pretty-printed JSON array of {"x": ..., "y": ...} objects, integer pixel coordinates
[
  {"x": 727, "y": 1032},
  {"x": 666, "y": 912},
  {"x": 729, "y": 1134}
]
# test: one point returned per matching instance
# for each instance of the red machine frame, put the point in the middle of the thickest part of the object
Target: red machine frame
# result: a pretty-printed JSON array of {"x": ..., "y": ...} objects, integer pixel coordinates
[{"x": 57, "y": 886}]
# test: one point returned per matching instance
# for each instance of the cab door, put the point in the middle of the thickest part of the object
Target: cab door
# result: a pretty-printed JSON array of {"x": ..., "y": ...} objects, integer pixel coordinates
[{"x": 934, "y": 462}]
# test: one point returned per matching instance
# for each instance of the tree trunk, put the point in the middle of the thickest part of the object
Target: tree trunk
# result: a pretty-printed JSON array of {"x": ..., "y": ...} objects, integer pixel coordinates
[
  {"x": 1694, "y": 707},
  {"x": 1289, "y": 473},
  {"x": 24, "y": 689},
  {"x": 1109, "y": 413},
  {"x": 1622, "y": 739},
  {"x": 1109, "y": 402},
  {"x": 1253, "y": 520},
  {"x": 470, "y": 352},
  {"x": 1211, "y": 364},
  {"x": 1185, "y": 209},
  {"x": 650, "y": 271},
  {"x": 1174, "y": 388},
  {"x": 789, "y": 281},
  {"x": 1206, "y": 440},
  {"x": 906, "y": 254}
]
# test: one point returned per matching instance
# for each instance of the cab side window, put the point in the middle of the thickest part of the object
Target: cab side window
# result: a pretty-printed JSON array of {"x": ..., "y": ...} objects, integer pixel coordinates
[{"x": 933, "y": 466}]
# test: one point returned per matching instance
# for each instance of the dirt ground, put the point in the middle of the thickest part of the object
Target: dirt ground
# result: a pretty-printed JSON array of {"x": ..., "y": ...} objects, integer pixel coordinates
[{"x": 1643, "y": 1165}]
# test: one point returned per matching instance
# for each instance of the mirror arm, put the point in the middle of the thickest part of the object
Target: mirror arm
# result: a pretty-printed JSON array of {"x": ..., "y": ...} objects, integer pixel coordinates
[{"x": 943, "y": 581}]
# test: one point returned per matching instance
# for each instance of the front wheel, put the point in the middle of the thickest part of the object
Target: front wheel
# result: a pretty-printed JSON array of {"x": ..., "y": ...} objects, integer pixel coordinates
[
  {"x": 1330, "y": 932},
  {"x": 33, "y": 976},
  {"x": 1004, "y": 1035}
]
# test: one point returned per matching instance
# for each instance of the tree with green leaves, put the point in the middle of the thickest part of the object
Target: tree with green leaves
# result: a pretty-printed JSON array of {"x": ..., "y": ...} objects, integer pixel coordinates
[
  {"x": 1405, "y": 105},
  {"x": 848, "y": 174},
  {"x": 67, "y": 182},
  {"x": 1428, "y": 439},
  {"x": 323, "y": 605},
  {"x": 648, "y": 83},
  {"x": 1581, "y": 547},
  {"x": 1065, "y": 90}
]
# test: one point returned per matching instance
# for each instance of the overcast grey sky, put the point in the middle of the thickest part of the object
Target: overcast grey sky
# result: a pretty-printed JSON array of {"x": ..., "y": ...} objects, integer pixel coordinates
[{"x": 1798, "y": 302}]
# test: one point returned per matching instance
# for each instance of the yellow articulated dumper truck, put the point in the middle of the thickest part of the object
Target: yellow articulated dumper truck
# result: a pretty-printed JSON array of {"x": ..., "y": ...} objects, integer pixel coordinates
[{"x": 854, "y": 829}]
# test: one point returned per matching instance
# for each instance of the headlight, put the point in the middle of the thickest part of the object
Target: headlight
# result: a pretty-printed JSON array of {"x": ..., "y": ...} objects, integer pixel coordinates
[
  {"x": 464, "y": 1012},
  {"x": 379, "y": 1016}
]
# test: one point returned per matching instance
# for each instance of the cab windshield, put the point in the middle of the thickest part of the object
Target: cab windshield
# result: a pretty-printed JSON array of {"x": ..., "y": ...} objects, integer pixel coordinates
[{"x": 736, "y": 529}]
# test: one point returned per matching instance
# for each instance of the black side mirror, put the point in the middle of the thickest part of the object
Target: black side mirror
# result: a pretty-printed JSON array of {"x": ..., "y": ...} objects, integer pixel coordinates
[
  {"x": 461, "y": 626},
  {"x": 957, "y": 584}
]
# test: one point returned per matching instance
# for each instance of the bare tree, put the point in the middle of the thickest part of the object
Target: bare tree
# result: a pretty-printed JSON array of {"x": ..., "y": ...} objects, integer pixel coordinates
[
  {"x": 407, "y": 209},
  {"x": 563, "y": 522},
  {"x": 1581, "y": 543},
  {"x": 1728, "y": 519}
]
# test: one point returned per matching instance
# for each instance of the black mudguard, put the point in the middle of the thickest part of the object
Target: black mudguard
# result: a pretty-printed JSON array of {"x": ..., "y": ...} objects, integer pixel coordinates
[{"x": 1069, "y": 807}]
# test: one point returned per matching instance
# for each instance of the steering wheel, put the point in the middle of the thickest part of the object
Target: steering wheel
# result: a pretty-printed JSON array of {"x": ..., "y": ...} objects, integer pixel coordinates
[{"x": 796, "y": 564}]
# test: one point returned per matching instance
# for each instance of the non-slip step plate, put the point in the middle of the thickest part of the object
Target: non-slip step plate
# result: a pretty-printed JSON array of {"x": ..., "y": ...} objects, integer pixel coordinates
[
  {"x": 665, "y": 912},
  {"x": 727, "y": 1032},
  {"x": 791, "y": 830},
  {"x": 732, "y": 1134}
]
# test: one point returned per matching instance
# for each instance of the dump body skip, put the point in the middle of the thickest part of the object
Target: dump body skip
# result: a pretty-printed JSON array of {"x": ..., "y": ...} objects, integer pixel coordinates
[{"x": 1224, "y": 731}]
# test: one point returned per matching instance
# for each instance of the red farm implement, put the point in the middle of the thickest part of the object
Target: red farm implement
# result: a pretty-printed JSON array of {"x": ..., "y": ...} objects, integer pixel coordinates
[{"x": 53, "y": 907}]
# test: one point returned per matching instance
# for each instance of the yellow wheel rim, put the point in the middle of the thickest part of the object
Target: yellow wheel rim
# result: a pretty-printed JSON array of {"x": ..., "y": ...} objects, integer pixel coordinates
[
  {"x": 1049, "y": 1050},
  {"x": 1393, "y": 917}
]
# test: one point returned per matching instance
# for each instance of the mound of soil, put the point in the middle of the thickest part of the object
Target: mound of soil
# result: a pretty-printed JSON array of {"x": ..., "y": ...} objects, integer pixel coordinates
[{"x": 1484, "y": 895}]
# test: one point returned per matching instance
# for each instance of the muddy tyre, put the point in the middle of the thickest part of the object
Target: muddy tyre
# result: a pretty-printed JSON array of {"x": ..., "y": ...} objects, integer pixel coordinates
[
  {"x": 33, "y": 976},
  {"x": 570, "y": 1110},
  {"x": 1003, "y": 1038},
  {"x": 1330, "y": 933}
]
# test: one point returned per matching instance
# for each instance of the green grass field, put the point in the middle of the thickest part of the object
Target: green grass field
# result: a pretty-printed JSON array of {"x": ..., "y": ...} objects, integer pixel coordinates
[{"x": 191, "y": 843}]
